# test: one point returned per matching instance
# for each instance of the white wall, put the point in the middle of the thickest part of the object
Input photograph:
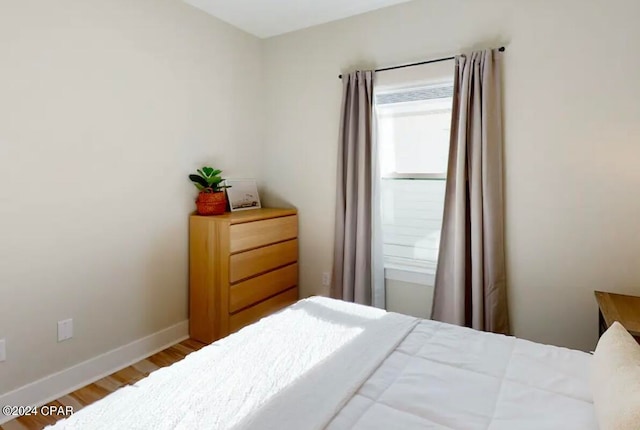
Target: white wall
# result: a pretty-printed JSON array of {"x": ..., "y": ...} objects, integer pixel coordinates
[
  {"x": 409, "y": 298},
  {"x": 571, "y": 140},
  {"x": 105, "y": 106}
]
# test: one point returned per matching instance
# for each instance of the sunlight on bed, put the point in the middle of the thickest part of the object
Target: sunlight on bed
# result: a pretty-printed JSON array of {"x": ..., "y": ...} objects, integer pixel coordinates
[{"x": 211, "y": 386}]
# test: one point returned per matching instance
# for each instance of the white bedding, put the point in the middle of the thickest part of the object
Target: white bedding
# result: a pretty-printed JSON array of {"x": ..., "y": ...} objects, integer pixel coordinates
[
  {"x": 327, "y": 364},
  {"x": 447, "y": 377},
  {"x": 280, "y": 373}
]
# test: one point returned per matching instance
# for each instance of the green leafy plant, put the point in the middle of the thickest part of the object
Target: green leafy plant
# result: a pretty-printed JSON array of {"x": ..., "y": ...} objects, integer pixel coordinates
[{"x": 208, "y": 180}]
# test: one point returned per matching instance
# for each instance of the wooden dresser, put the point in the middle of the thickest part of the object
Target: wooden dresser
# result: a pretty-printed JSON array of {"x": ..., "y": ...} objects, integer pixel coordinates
[{"x": 242, "y": 267}]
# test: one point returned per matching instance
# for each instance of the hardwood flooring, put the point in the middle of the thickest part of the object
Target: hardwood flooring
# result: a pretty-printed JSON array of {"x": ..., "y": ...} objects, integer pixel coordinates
[{"x": 99, "y": 389}]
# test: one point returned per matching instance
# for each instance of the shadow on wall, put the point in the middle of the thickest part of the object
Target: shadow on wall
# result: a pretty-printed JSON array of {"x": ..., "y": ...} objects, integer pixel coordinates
[{"x": 271, "y": 198}]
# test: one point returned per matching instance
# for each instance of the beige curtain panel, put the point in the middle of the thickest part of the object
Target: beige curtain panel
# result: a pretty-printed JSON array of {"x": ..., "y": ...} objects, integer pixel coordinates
[
  {"x": 353, "y": 227},
  {"x": 470, "y": 286}
]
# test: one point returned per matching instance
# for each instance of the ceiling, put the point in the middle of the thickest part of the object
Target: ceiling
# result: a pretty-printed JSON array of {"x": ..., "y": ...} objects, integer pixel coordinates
[{"x": 266, "y": 18}]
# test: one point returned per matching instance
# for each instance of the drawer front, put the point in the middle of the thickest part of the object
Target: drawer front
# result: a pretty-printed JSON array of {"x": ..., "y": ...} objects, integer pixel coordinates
[
  {"x": 262, "y": 260},
  {"x": 262, "y": 309},
  {"x": 260, "y": 233},
  {"x": 259, "y": 288}
]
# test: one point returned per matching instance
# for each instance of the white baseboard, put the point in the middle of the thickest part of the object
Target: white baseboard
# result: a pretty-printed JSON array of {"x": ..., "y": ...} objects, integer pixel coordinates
[{"x": 58, "y": 384}]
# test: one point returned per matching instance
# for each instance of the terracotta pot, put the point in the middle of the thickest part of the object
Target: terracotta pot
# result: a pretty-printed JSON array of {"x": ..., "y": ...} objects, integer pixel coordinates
[{"x": 211, "y": 203}]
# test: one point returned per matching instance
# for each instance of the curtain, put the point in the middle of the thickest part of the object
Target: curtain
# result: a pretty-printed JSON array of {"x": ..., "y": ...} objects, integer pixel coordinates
[
  {"x": 470, "y": 285},
  {"x": 354, "y": 224}
]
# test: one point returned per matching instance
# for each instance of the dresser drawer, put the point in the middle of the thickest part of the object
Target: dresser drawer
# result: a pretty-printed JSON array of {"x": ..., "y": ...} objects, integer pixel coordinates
[
  {"x": 260, "y": 233},
  {"x": 261, "y": 287},
  {"x": 254, "y": 313},
  {"x": 261, "y": 260}
]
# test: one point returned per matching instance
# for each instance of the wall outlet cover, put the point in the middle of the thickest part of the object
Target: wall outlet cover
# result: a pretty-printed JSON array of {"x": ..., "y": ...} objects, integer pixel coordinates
[
  {"x": 65, "y": 330},
  {"x": 326, "y": 279}
]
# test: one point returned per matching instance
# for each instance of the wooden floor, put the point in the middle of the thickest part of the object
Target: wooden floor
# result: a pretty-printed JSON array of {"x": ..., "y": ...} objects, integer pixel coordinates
[{"x": 99, "y": 389}]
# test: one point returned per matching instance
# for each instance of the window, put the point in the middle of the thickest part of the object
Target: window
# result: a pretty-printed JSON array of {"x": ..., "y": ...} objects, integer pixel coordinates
[{"x": 413, "y": 139}]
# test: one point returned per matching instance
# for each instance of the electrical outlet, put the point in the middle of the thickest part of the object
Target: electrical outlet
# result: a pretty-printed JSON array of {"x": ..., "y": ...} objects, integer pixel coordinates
[
  {"x": 326, "y": 279},
  {"x": 65, "y": 330},
  {"x": 3, "y": 350}
]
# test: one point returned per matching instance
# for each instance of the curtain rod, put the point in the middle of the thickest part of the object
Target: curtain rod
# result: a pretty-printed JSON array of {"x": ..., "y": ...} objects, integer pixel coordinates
[{"x": 437, "y": 60}]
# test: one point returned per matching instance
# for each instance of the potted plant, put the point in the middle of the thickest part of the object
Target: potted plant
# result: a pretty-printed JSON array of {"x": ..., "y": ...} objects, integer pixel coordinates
[{"x": 211, "y": 200}]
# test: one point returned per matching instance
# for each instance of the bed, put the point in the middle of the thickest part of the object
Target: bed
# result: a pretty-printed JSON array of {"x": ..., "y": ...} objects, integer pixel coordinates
[{"x": 323, "y": 363}]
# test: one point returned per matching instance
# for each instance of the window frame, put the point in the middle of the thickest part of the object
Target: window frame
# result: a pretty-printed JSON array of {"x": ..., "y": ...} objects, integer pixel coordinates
[
  {"x": 416, "y": 176},
  {"x": 396, "y": 267}
]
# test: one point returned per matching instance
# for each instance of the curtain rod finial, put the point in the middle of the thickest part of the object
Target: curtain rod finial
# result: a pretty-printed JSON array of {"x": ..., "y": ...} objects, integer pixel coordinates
[{"x": 501, "y": 49}]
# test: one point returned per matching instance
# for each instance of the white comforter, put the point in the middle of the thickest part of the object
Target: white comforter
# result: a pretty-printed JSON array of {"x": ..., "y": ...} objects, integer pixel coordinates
[
  {"x": 451, "y": 378},
  {"x": 327, "y": 364},
  {"x": 292, "y": 370}
]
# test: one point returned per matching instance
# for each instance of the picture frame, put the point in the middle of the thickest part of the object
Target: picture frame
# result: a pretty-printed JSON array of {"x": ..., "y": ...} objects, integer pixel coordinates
[{"x": 243, "y": 194}]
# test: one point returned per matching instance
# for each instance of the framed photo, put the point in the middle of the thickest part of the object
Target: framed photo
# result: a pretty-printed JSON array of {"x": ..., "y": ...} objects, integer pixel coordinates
[{"x": 243, "y": 194}]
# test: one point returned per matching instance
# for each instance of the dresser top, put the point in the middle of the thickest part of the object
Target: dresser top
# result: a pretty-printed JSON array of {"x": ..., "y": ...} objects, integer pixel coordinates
[
  {"x": 621, "y": 308},
  {"x": 250, "y": 215}
]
